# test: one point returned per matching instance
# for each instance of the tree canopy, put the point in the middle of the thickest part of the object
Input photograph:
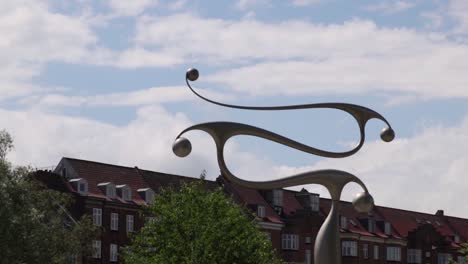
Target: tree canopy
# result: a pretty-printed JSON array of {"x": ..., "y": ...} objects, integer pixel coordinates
[
  {"x": 34, "y": 224},
  {"x": 197, "y": 225}
]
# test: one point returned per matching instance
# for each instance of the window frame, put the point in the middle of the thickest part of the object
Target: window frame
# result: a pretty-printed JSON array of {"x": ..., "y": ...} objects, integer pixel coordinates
[
  {"x": 393, "y": 253},
  {"x": 97, "y": 250},
  {"x": 97, "y": 216},
  {"x": 290, "y": 242},
  {"x": 114, "y": 223},
  {"x": 261, "y": 211},
  {"x": 349, "y": 248},
  {"x": 130, "y": 223},
  {"x": 113, "y": 252}
]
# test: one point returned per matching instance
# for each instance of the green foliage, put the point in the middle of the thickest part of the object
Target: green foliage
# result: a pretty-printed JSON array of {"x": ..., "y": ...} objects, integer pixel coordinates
[
  {"x": 194, "y": 225},
  {"x": 34, "y": 225},
  {"x": 464, "y": 251}
]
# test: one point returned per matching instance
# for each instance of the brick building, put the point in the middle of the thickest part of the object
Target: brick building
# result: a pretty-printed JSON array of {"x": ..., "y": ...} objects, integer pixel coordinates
[{"x": 113, "y": 195}]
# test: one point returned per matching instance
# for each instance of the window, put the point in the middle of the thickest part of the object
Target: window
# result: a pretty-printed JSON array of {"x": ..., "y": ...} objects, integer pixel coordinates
[
  {"x": 290, "y": 241},
  {"x": 308, "y": 256},
  {"x": 97, "y": 216},
  {"x": 130, "y": 223},
  {"x": 371, "y": 225},
  {"x": 388, "y": 228},
  {"x": 126, "y": 194},
  {"x": 82, "y": 187},
  {"x": 278, "y": 197},
  {"x": 314, "y": 202},
  {"x": 443, "y": 258},
  {"x": 343, "y": 222},
  {"x": 349, "y": 248},
  {"x": 114, "y": 221},
  {"x": 261, "y": 211},
  {"x": 96, "y": 248},
  {"x": 394, "y": 253},
  {"x": 414, "y": 255},
  {"x": 365, "y": 251},
  {"x": 376, "y": 252},
  {"x": 113, "y": 252},
  {"x": 461, "y": 260},
  {"x": 428, "y": 254},
  {"x": 457, "y": 239},
  {"x": 110, "y": 191},
  {"x": 64, "y": 172},
  {"x": 308, "y": 240}
]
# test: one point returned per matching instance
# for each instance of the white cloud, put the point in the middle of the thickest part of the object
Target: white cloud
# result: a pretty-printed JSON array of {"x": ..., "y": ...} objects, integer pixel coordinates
[
  {"x": 248, "y": 4},
  {"x": 150, "y": 96},
  {"x": 32, "y": 36},
  {"x": 458, "y": 10},
  {"x": 145, "y": 142},
  {"x": 299, "y": 57},
  {"x": 390, "y": 6},
  {"x": 132, "y": 7},
  {"x": 305, "y": 2}
]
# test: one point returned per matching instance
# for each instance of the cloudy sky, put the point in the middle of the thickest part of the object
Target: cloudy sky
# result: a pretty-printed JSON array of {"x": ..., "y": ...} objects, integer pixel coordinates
[{"x": 104, "y": 81}]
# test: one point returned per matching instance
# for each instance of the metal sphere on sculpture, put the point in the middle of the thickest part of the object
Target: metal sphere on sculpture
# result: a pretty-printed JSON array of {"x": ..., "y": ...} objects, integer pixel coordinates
[
  {"x": 192, "y": 74},
  {"x": 182, "y": 147},
  {"x": 363, "y": 202},
  {"x": 387, "y": 134}
]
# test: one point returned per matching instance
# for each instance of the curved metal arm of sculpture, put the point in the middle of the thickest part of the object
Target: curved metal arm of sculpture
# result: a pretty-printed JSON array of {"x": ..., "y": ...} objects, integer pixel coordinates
[
  {"x": 360, "y": 113},
  {"x": 221, "y": 132}
]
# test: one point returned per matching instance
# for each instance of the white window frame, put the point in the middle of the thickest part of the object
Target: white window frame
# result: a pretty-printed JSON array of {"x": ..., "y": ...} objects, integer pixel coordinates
[
  {"x": 130, "y": 223},
  {"x": 114, "y": 221},
  {"x": 97, "y": 216},
  {"x": 461, "y": 260},
  {"x": 110, "y": 191},
  {"x": 376, "y": 252},
  {"x": 349, "y": 248},
  {"x": 96, "y": 249},
  {"x": 126, "y": 194},
  {"x": 365, "y": 251},
  {"x": 314, "y": 202},
  {"x": 261, "y": 212},
  {"x": 290, "y": 241},
  {"x": 113, "y": 253},
  {"x": 393, "y": 253},
  {"x": 278, "y": 197},
  {"x": 443, "y": 258},
  {"x": 343, "y": 222},
  {"x": 149, "y": 196},
  {"x": 388, "y": 228},
  {"x": 414, "y": 255}
]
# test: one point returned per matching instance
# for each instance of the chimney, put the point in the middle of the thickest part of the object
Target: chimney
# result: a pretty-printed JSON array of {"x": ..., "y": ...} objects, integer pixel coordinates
[{"x": 440, "y": 213}]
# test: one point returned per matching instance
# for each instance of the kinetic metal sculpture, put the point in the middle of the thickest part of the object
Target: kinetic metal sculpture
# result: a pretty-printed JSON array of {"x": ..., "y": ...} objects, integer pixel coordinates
[{"x": 327, "y": 245}]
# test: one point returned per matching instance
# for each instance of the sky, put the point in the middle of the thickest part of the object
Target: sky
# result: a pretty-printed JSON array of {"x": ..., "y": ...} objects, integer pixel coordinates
[{"x": 105, "y": 81}]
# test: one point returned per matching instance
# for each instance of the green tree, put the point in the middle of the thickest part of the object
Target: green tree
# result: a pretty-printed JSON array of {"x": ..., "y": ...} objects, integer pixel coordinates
[
  {"x": 34, "y": 224},
  {"x": 197, "y": 225}
]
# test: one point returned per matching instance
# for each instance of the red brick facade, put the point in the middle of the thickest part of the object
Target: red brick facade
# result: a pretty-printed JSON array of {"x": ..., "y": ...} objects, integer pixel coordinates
[{"x": 291, "y": 219}]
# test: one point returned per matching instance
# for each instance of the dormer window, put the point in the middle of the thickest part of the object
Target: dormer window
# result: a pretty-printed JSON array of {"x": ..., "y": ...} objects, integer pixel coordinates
[
  {"x": 147, "y": 194},
  {"x": 314, "y": 202},
  {"x": 371, "y": 225},
  {"x": 388, "y": 228},
  {"x": 261, "y": 211},
  {"x": 108, "y": 188},
  {"x": 80, "y": 185},
  {"x": 278, "y": 197},
  {"x": 343, "y": 222},
  {"x": 124, "y": 192}
]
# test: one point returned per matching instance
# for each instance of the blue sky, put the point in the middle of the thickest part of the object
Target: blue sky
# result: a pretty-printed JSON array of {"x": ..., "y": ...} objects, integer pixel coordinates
[{"x": 104, "y": 81}]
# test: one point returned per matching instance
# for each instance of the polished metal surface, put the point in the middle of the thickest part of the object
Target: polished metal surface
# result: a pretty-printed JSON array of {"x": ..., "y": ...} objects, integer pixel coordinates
[{"x": 327, "y": 246}]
